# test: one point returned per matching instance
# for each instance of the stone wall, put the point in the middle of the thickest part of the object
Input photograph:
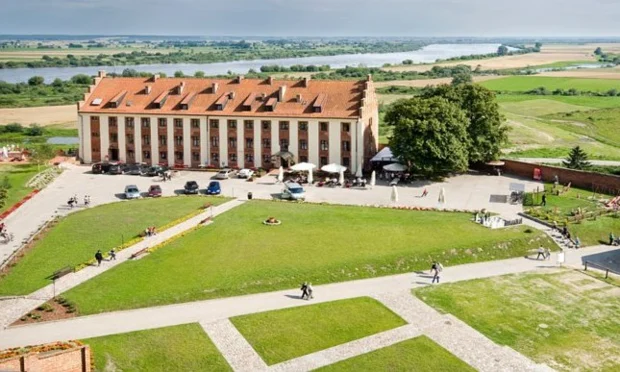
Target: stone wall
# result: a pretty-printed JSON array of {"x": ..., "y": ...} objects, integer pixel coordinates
[
  {"x": 77, "y": 359},
  {"x": 592, "y": 181}
]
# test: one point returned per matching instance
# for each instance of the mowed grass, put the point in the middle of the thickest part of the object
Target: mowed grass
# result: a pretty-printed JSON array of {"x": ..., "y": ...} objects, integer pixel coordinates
[
  {"x": 239, "y": 255},
  {"x": 527, "y": 83},
  {"x": 586, "y": 101},
  {"x": 290, "y": 333},
  {"x": 179, "y": 348},
  {"x": 77, "y": 237},
  {"x": 567, "y": 320},
  {"x": 420, "y": 354},
  {"x": 18, "y": 176},
  {"x": 540, "y": 107}
]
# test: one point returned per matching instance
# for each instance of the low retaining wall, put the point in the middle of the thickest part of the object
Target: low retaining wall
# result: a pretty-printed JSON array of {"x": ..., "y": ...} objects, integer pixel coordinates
[
  {"x": 593, "y": 181},
  {"x": 70, "y": 358}
]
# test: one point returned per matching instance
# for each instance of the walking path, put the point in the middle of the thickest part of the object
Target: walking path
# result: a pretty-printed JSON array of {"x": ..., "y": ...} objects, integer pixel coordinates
[
  {"x": 12, "y": 310},
  {"x": 218, "y": 309}
]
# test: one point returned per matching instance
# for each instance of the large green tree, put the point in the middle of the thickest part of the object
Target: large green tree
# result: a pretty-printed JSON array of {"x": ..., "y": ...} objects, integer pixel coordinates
[
  {"x": 485, "y": 126},
  {"x": 429, "y": 135},
  {"x": 577, "y": 159}
]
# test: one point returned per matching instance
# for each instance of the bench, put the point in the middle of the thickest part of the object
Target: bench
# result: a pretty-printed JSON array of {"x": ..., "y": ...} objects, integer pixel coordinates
[
  {"x": 138, "y": 253},
  {"x": 61, "y": 272}
]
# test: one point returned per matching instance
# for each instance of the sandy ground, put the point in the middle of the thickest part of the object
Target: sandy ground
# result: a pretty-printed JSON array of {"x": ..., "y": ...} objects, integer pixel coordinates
[
  {"x": 426, "y": 82},
  {"x": 47, "y": 115}
]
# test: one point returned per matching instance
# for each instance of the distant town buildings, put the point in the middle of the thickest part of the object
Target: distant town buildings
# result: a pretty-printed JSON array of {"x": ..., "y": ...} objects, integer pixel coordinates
[{"x": 237, "y": 122}]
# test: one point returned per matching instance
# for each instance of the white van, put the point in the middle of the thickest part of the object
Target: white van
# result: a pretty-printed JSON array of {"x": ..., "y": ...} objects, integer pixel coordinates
[{"x": 293, "y": 191}]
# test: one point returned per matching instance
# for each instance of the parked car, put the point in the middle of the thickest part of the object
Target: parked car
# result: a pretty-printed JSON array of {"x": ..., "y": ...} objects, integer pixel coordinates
[
  {"x": 191, "y": 187},
  {"x": 134, "y": 169},
  {"x": 224, "y": 174},
  {"x": 132, "y": 192},
  {"x": 115, "y": 168},
  {"x": 155, "y": 170},
  {"x": 293, "y": 191},
  {"x": 245, "y": 173},
  {"x": 214, "y": 188},
  {"x": 154, "y": 191},
  {"x": 97, "y": 168}
]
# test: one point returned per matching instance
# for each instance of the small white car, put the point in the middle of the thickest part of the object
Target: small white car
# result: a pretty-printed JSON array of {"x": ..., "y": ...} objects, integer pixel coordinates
[
  {"x": 224, "y": 174},
  {"x": 132, "y": 192},
  {"x": 293, "y": 191},
  {"x": 245, "y": 173}
]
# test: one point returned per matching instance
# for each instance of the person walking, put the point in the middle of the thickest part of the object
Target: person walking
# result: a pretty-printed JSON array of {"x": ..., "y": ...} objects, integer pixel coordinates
[
  {"x": 99, "y": 257},
  {"x": 544, "y": 199},
  {"x": 547, "y": 253},
  {"x": 309, "y": 291},
  {"x": 304, "y": 290},
  {"x": 541, "y": 252},
  {"x": 612, "y": 238},
  {"x": 113, "y": 254},
  {"x": 436, "y": 270}
]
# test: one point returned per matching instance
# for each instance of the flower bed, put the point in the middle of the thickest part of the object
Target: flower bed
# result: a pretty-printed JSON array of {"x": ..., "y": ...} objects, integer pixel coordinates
[
  {"x": 272, "y": 221},
  {"x": 56, "y": 346}
]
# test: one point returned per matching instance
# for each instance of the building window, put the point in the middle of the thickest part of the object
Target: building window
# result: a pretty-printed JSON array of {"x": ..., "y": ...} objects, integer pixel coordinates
[
  {"x": 162, "y": 155},
  {"x": 178, "y": 123},
  {"x": 163, "y": 140},
  {"x": 324, "y": 125},
  {"x": 178, "y": 155},
  {"x": 284, "y": 144},
  {"x": 232, "y": 157},
  {"x": 346, "y": 146},
  {"x": 266, "y": 159},
  {"x": 214, "y": 123},
  {"x": 346, "y": 162},
  {"x": 146, "y": 140},
  {"x": 130, "y": 139},
  {"x": 284, "y": 125},
  {"x": 94, "y": 134},
  {"x": 130, "y": 154},
  {"x": 249, "y": 158},
  {"x": 249, "y": 143},
  {"x": 113, "y": 137},
  {"x": 303, "y": 144},
  {"x": 215, "y": 157},
  {"x": 215, "y": 141},
  {"x": 112, "y": 122},
  {"x": 129, "y": 122},
  {"x": 232, "y": 142},
  {"x": 303, "y": 159},
  {"x": 195, "y": 123},
  {"x": 324, "y": 145},
  {"x": 323, "y": 160},
  {"x": 266, "y": 124},
  {"x": 346, "y": 127},
  {"x": 232, "y": 124},
  {"x": 266, "y": 143},
  {"x": 195, "y": 156},
  {"x": 195, "y": 141},
  {"x": 303, "y": 126},
  {"x": 248, "y": 124},
  {"x": 146, "y": 154},
  {"x": 146, "y": 122},
  {"x": 163, "y": 122},
  {"x": 178, "y": 140}
]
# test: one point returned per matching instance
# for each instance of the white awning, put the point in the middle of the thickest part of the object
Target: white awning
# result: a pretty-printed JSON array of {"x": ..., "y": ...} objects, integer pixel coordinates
[
  {"x": 333, "y": 168},
  {"x": 384, "y": 155},
  {"x": 395, "y": 167}
]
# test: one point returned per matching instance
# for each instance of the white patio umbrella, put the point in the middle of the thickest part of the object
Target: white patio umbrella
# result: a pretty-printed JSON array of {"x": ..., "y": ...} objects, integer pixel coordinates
[
  {"x": 280, "y": 174},
  {"x": 359, "y": 173},
  {"x": 341, "y": 178},
  {"x": 394, "y": 195},
  {"x": 442, "y": 195},
  {"x": 373, "y": 179},
  {"x": 394, "y": 167},
  {"x": 303, "y": 167},
  {"x": 333, "y": 168}
]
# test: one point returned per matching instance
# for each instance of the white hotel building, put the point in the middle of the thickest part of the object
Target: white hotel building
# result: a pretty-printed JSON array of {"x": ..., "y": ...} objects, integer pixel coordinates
[{"x": 242, "y": 123}]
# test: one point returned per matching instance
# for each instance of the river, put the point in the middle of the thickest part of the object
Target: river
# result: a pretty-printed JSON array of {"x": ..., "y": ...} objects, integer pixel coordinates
[{"x": 427, "y": 54}]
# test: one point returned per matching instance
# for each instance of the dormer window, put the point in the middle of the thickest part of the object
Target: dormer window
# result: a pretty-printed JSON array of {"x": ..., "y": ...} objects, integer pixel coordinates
[
  {"x": 118, "y": 99},
  {"x": 271, "y": 104},
  {"x": 220, "y": 104},
  {"x": 160, "y": 101},
  {"x": 187, "y": 101},
  {"x": 247, "y": 104},
  {"x": 319, "y": 103}
]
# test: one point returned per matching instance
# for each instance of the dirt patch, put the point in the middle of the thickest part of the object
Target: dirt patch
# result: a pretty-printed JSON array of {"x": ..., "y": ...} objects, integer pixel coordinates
[
  {"x": 51, "y": 310},
  {"x": 575, "y": 123},
  {"x": 47, "y": 115}
]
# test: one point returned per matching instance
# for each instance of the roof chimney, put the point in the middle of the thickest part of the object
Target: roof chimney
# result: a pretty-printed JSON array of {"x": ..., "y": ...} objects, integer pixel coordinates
[
  {"x": 239, "y": 79},
  {"x": 147, "y": 89},
  {"x": 101, "y": 73},
  {"x": 180, "y": 88},
  {"x": 282, "y": 93},
  {"x": 270, "y": 80},
  {"x": 155, "y": 77},
  {"x": 306, "y": 82},
  {"x": 214, "y": 87},
  {"x": 298, "y": 98}
]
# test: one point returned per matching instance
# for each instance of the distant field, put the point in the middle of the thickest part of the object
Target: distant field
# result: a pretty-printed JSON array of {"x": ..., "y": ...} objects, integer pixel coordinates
[
  {"x": 586, "y": 101},
  {"x": 606, "y": 73},
  {"x": 47, "y": 115},
  {"x": 527, "y": 83}
]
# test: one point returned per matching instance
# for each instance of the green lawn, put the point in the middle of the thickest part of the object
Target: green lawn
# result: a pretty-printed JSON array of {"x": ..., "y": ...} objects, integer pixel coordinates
[
  {"x": 420, "y": 354},
  {"x": 567, "y": 320},
  {"x": 179, "y": 348},
  {"x": 76, "y": 238},
  {"x": 527, "y": 83},
  {"x": 286, "y": 334},
  {"x": 18, "y": 176},
  {"x": 601, "y": 125},
  {"x": 585, "y": 101},
  {"x": 319, "y": 243}
]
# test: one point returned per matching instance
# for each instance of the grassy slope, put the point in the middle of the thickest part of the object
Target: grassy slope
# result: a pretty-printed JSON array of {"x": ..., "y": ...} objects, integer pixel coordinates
[
  {"x": 420, "y": 354},
  {"x": 18, "y": 176},
  {"x": 582, "y": 326},
  {"x": 239, "y": 255},
  {"x": 527, "y": 83},
  {"x": 601, "y": 124},
  {"x": 290, "y": 333},
  {"x": 179, "y": 348},
  {"x": 78, "y": 236}
]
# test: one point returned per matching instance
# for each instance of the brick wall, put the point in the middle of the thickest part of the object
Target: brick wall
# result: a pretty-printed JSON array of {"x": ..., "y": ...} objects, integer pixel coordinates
[
  {"x": 586, "y": 180},
  {"x": 72, "y": 360}
]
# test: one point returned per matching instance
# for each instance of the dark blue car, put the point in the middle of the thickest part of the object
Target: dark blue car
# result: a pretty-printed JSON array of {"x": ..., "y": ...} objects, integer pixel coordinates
[{"x": 214, "y": 188}]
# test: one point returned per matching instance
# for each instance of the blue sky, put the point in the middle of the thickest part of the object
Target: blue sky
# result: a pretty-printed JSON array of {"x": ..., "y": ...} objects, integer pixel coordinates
[{"x": 485, "y": 18}]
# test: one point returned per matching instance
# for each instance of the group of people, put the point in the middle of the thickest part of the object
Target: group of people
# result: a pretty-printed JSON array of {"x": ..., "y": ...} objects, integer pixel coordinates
[
  {"x": 150, "y": 231},
  {"x": 306, "y": 291},
  {"x": 545, "y": 253},
  {"x": 73, "y": 201},
  {"x": 566, "y": 235},
  {"x": 613, "y": 240},
  {"x": 99, "y": 256},
  {"x": 166, "y": 176},
  {"x": 4, "y": 233}
]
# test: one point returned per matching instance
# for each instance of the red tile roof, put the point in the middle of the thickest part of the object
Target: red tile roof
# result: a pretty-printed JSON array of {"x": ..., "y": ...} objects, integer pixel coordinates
[{"x": 341, "y": 99}]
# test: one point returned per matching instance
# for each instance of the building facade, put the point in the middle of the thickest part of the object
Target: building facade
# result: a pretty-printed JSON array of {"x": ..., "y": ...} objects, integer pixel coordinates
[{"x": 239, "y": 123}]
